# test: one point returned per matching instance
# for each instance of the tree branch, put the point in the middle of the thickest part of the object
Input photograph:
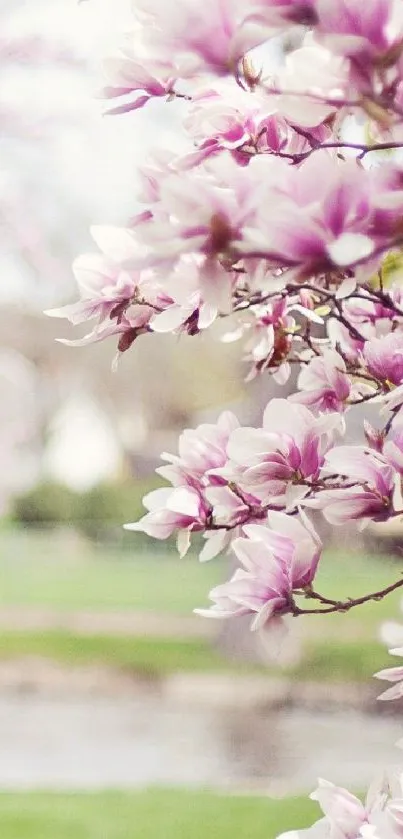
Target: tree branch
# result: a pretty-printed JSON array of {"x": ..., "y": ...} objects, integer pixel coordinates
[{"x": 343, "y": 605}]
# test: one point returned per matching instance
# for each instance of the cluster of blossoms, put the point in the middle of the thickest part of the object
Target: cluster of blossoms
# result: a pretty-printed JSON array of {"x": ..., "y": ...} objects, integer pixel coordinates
[
  {"x": 251, "y": 489},
  {"x": 270, "y": 195},
  {"x": 284, "y": 214}
]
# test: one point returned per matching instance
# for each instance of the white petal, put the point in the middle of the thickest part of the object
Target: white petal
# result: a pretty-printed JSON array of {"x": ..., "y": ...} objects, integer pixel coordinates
[
  {"x": 116, "y": 242},
  {"x": 350, "y": 248},
  {"x": 183, "y": 542},
  {"x": 309, "y": 314},
  {"x": 168, "y": 320},
  {"x": 216, "y": 543},
  {"x": 347, "y": 287},
  {"x": 183, "y": 502},
  {"x": 294, "y": 495}
]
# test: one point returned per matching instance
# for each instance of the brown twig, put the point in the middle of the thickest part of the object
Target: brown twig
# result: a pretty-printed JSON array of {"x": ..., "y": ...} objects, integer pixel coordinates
[{"x": 333, "y": 606}]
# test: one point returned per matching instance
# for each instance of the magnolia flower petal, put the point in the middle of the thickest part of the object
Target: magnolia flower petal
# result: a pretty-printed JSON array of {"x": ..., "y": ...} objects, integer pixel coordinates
[
  {"x": 183, "y": 542},
  {"x": 215, "y": 543},
  {"x": 396, "y": 692},
  {"x": 350, "y": 248}
]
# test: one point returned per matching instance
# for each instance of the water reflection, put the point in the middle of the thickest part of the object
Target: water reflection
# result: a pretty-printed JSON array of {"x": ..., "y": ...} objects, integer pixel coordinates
[{"x": 85, "y": 743}]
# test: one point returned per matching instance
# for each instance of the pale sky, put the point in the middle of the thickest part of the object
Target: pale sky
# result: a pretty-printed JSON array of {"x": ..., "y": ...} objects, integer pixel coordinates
[{"x": 91, "y": 158}]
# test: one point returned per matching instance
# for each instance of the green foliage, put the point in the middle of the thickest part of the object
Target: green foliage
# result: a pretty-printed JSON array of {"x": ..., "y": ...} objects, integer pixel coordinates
[
  {"x": 106, "y": 507},
  {"x": 46, "y": 505},
  {"x": 342, "y": 662},
  {"x": 148, "y": 657},
  {"x": 95, "y": 513},
  {"x": 392, "y": 267},
  {"x": 150, "y": 814},
  {"x": 155, "y": 658},
  {"x": 392, "y": 270}
]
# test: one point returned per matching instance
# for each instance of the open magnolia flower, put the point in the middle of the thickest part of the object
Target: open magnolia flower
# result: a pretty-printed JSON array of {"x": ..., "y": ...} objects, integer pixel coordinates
[
  {"x": 367, "y": 488},
  {"x": 288, "y": 450},
  {"x": 346, "y": 817},
  {"x": 276, "y": 560}
]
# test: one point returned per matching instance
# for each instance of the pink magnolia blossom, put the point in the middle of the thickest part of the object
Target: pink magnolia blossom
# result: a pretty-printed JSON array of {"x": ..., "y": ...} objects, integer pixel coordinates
[
  {"x": 199, "y": 498},
  {"x": 151, "y": 174},
  {"x": 275, "y": 560},
  {"x": 192, "y": 506},
  {"x": 229, "y": 507},
  {"x": 347, "y": 343},
  {"x": 229, "y": 118},
  {"x": 345, "y": 813},
  {"x": 366, "y": 490},
  {"x": 205, "y": 210},
  {"x": 346, "y": 817},
  {"x": 172, "y": 509},
  {"x": 290, "y": 448},
  {"x": 369, "y": 318},
  {"x": 283, "y": 13},
  {"x": 184, "y": 309},
  {"x": 327, "y": 216},
  {"x": 190, "y": 315},
  {"x": 392, "y": 401},
  {"x": 375, "y": 437},
  {"x": 121, "y": 302},
  {"x": 314, "y": 70},
  {"x": 324, "y": 384},
  {"x": 270, "y": 339},
  {"x": 368, "y": 315},
  {"x": 384, "y": 358},
  {"x": 393, "y": 445},
  {"x": 103, "y": 286},
  {"x": 272, "y": 330},
  {"x": 203, "y": 214},
  {"x": 127, "y": 76},
  {"x": 392, "y": 674},
  {"x": 210, "y": 37},
  {"x": 200, "y": 450},
  {"x": 226, "y": 117},
  {"x": 196, "y": 291},
  {"x": 369, "y": 34}
]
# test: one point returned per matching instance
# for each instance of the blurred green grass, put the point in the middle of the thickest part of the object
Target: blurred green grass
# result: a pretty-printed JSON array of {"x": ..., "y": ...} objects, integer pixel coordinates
[
  {"x": 152, "y": 814},
  {"x": 68, "y": 573},
  {"x": 152, "y": 657},
  {"x": 65, "y": 572},
  {"x": 322, "y": 661},
  {"x": 60, "y": 572}
]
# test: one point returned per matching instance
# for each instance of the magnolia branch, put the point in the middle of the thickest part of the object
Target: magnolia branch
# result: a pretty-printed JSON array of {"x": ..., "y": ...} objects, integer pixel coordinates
[
  {"x": 363, "y": 148},
  {"x": 342, "y": 605}
]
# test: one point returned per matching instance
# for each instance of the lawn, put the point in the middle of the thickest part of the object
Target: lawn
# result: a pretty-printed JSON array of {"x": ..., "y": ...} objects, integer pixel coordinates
[
  {"x": 323, "y": 660},
  {"x": 153, "y": 814},
  {"x": 64, "y": 572}
]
